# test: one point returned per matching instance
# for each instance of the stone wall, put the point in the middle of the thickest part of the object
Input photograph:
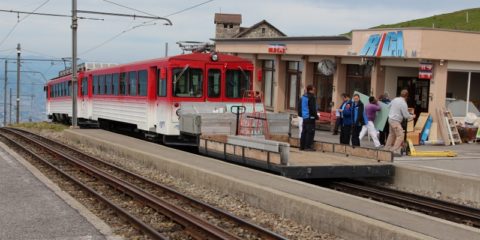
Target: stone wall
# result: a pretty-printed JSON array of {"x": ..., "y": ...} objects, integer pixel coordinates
[
  {"x": 262, "y": 31},
  {"x": 222, "y": 32}
]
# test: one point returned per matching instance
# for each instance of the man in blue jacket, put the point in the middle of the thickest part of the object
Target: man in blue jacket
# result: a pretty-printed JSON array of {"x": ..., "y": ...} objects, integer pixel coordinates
[
  {"x": 346, "y": 120},
  {"x": 359, "y": 118},
  {"x": 309, "y": 115}
]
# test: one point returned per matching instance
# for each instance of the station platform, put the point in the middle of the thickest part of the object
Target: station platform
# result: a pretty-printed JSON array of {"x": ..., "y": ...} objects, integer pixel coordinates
[
  {"x": 327, "y": 210},
  {"x": 31, "y": 210}
]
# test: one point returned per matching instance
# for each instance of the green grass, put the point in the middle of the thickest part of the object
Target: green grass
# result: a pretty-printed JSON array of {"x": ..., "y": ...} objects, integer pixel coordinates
[
  {"x": 454, "y": 20},
  {"x": 41, "y": 126}
]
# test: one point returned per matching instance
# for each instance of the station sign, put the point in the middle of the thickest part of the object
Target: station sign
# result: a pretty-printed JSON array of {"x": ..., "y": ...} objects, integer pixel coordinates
[
  {"x": 384, "y": 45},
  {"x": 277, "y": 48}
]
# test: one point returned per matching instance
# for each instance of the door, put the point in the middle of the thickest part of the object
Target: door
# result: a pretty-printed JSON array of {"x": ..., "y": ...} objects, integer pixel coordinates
[
  {"x": 215, "y": 78},
  {"x": 418, "y": 91}
]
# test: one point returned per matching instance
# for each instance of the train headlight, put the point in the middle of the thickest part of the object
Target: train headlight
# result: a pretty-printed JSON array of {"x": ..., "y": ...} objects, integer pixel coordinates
[{"x": 214, "y": 56}]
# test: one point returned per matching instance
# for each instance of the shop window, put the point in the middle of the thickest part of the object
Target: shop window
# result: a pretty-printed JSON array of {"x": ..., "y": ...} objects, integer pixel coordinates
[
  {"x": 460, "y": 95},
  {"x": 142, "y": 82},
  {"x": 237, "y": 82},
  {"x": 214, "y": 80},
  {"x": 358, "y": 79},
  {"x": 324, "y": 86},
  {"x": 294, "y": 76},
  {"x": 268, "y": 79}
]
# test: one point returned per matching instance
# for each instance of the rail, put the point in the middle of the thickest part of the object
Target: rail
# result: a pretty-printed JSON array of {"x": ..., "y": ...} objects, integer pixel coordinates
[{"x": 149, "y": 193}]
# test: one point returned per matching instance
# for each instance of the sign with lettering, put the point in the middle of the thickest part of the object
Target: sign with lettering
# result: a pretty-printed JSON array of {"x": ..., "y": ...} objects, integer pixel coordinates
[
  {"x": 426, "y": 70},
  {"x": 384, "y": 45},
  {"x": 277, "y": 48}
]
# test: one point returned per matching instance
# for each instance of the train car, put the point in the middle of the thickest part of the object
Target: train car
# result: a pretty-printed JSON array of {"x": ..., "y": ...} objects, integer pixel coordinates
[{"x": 149, "y": 96}]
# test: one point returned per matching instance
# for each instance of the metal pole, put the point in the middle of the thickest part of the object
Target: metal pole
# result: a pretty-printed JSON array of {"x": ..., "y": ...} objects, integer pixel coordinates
[
  {"x": 468, "y": 91},
  {"x": 10, "y": 115},
  {"x": 5, "y": 95},
  {"x": 166, "y": 49},
  {"x": 18, "y": 82},
  {"x": 74, "y": 63}
]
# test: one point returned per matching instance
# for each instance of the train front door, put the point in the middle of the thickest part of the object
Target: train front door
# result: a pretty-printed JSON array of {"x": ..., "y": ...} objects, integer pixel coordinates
[
  {"x": 214, "y": 82},
  {"x": 418, "y": 90}
]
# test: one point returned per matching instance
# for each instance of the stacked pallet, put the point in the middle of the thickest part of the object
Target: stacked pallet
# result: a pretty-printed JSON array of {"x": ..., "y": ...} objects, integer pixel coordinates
[{"x": 418, "y": 129}]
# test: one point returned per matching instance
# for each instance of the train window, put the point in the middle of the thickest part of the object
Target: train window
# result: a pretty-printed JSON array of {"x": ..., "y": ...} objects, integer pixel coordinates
[
  {"x": 123, "y": 84},
  {"x": 84, "y": 86},
  {"x": 214, "y": 79},
  {"x": 187, "y": 82},
  {"x": 101, "y": 82},
  {"x": 142, "y": 82},
  {"x": 132, "y": 79},
  {"x": 68, "y": 86},
  {"x": 161, "y": 84},
  {"x": 115, "y": 83},
  {"x": 108, "y": 84},
  {"x": 238, "y": 81},
  {"x": 95, "y": 85}
]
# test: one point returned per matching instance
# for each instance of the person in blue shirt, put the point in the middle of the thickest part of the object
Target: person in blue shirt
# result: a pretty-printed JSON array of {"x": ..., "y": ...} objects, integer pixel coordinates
[
  {"x": 346, "y": 119},
  {"x": 338, "y": 114},
  {"x": 309, "y": 115},
  {"x": 359, "y": 119}
]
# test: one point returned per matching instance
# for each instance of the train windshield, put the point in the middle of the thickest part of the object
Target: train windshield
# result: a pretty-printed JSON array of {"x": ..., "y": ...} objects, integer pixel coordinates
[
  {"x": 238, "y": 81},
  {"x": 187, "y": 82}
]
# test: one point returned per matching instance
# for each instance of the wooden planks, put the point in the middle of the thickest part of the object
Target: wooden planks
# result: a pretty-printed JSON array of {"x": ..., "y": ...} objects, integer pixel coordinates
[
  {"x": 442, "y": 127},
  {"x": 433, "y": 136}
]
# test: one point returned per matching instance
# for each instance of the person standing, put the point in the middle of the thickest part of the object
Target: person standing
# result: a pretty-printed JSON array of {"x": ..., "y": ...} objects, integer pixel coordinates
[
  {"x": 338, "y": 115},
  {"x": 345, "y": 119},
  {"x": 398, "y": 112},
  {"x": 299, "y": 112},
  {"x": 359, "y": 119},
  {"x": 384, "y": 133},
  {"x": 371, "y": 111},
  {"x": 309, "y": 115}
]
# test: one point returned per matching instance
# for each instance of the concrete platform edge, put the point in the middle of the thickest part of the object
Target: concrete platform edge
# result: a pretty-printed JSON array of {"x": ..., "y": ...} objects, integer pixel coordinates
[
  {"x": 99, "y": 224},
  {"x": 318, "y": 215},
  {"x": 426, "y": 179}
]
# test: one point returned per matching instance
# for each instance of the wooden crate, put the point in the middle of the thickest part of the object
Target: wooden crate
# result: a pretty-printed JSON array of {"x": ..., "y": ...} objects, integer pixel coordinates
[{"x": 414, "y": 137}]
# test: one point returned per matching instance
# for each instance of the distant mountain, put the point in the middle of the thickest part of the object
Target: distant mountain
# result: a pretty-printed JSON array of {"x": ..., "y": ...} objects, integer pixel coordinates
[
  {"x": 455, "y": 20},
  {"x": 32, "y": 80}
]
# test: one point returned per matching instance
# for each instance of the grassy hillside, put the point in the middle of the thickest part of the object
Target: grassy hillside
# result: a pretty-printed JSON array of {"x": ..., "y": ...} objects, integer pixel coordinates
[{"x": 454, "y": 20}]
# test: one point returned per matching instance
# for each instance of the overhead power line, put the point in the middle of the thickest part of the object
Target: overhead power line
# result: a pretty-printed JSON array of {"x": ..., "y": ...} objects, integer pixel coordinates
[
  {"x": 49, "y": 14},
  {"x": 129, "y": 8}
]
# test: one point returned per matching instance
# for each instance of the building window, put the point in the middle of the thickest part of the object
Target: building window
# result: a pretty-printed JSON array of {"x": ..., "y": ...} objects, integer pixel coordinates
[
  {"x": 230, "y": 26},
  {"x": 225, "y": 25},
  {"x": 358, "y": 79},
  {"x": 457, "y": 95},
  {"x": 268, "y": 79},
  {"x": 324, "y": 86},
  {"x": 263, "y": 30},
  {"x": 294, "y": 76},
  {"x": 214, "y": 80}
]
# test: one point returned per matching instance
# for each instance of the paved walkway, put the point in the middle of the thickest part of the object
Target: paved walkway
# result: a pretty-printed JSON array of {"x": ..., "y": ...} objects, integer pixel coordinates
[
  {"x": 467, "y": 162},
  {"x": 30, "y": 210}
]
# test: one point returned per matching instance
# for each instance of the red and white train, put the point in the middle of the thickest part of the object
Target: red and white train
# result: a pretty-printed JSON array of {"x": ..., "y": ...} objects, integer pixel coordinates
[{"x": 149, "y": 96}]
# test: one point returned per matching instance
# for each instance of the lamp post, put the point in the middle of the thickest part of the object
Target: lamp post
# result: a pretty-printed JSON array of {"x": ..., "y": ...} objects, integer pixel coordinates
[{"x": 19, "y": 51}]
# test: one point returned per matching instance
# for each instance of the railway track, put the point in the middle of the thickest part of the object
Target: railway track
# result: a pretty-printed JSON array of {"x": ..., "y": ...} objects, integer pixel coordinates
[
  {"x": 433, "y": 207},
  {"x": 136, "y": 199}
]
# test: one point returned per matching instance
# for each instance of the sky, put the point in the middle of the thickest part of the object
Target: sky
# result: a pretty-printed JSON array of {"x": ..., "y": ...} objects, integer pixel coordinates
[{"x": 51, "y": 37}]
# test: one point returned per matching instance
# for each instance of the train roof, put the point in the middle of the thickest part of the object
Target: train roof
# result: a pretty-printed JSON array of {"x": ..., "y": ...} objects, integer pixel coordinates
[{"x": 197, "y": 57}]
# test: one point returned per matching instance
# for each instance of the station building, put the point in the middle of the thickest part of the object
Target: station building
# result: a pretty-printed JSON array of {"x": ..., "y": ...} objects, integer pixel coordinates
[{"x": 436, "y": 66}]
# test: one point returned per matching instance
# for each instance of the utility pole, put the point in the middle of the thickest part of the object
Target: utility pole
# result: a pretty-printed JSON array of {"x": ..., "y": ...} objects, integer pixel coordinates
[
  {"x": 10, "y": 115},
  {"x": 166, "y": 49},
  {"x": 18, "y": 82},
  {"x": 74, "y": 63},
  {"x": 5, "y": 95}
]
